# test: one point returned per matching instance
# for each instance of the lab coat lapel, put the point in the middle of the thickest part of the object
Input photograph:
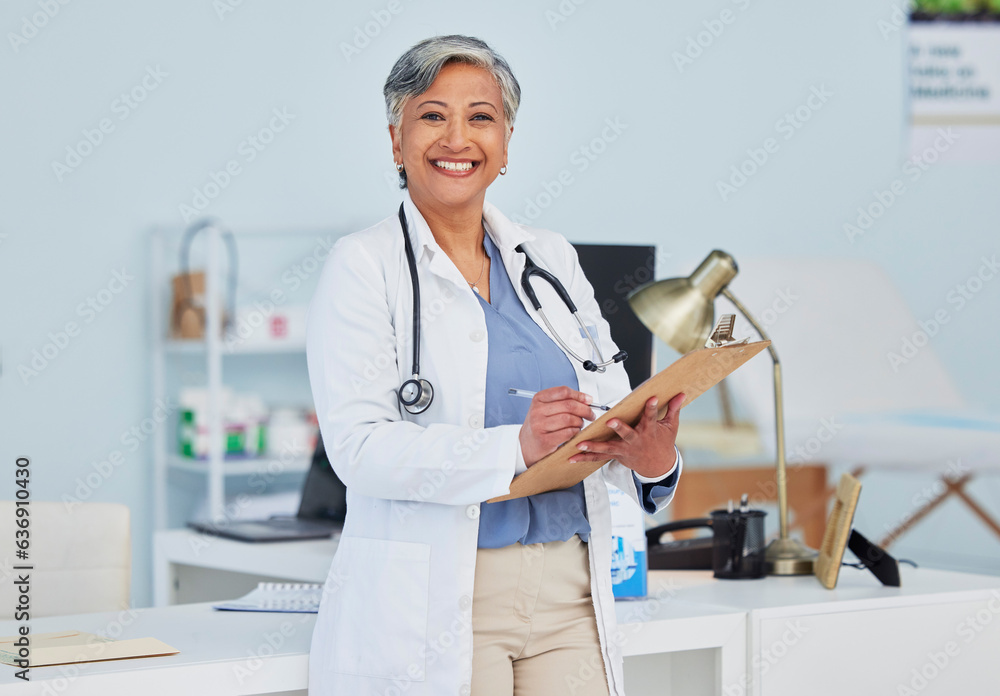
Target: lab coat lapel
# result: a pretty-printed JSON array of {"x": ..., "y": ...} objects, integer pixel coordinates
[
  {"x": 507, "y": 237},
  {"x": 424, "y": 244}
]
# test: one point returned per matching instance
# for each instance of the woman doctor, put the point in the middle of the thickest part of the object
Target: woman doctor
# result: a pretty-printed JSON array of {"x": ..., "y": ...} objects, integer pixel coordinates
[{"x": 433, "y": 591}]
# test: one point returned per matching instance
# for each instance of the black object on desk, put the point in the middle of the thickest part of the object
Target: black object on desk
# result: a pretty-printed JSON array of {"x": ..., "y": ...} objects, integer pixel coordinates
[
  {"x": 321, "y": 510},
  {"x": 683, "y": 554},
  {"x": 874, "y": 558},
  {"x": 734, "y": 551}
]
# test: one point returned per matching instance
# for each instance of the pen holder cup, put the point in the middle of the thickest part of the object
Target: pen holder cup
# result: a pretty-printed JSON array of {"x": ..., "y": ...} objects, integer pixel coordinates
[{"x": 738, "y": 544}]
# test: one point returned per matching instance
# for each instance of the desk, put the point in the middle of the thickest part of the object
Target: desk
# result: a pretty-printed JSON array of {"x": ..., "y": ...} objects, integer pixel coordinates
[
  {"x": 780, "y": 636},
  {"x": 221, "y": 653},
  {"x": 862, "y": 638},
  {"x": 237, "y": 653}
]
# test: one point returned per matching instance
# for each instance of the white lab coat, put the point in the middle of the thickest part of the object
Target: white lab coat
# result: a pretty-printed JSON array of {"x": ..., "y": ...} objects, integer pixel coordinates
[{"x": 396, "y": 617}]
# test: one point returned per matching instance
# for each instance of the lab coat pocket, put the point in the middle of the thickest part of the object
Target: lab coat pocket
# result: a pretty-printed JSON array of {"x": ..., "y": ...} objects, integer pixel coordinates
[{"x": 382, "y": 584}]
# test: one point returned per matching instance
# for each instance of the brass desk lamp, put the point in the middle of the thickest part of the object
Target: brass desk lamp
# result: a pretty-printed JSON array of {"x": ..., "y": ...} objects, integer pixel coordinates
[{"x": 681, "y": 312}]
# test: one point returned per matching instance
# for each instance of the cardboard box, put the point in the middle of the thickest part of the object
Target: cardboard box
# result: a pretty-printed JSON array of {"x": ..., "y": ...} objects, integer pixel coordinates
[{"x": 187, "y": 312}]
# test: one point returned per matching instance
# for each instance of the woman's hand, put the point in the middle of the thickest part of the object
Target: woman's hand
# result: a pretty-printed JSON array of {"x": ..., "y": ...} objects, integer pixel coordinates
[
  {"x": 647, "y": 449},
  {"x": 555, "y": 415}
]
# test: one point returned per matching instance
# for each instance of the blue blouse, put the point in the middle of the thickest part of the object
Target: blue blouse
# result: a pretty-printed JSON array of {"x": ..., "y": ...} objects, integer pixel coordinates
[{"x": 522, "y": 356}]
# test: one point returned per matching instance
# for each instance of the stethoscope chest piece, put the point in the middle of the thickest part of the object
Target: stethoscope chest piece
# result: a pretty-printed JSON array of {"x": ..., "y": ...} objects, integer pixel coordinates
[{"x": 416, "y": 395}]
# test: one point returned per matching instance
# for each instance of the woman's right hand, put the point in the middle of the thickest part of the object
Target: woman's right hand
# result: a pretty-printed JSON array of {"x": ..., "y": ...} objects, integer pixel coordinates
[{"x": 555, "y": 415}]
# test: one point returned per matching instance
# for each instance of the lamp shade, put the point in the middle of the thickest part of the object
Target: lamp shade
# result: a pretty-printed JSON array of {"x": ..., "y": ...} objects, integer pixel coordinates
[{"x": 681, "y": 311}]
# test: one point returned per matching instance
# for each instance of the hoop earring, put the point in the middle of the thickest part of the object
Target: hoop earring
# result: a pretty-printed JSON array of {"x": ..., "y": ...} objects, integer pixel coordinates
[
  {"x": 503, "y": 170},
  {"x": 399, "y": 167}
]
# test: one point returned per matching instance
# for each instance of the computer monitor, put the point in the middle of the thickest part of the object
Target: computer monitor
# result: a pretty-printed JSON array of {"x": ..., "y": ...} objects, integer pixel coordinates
[
  {"x": 324, "y": 496},
  {"x": 615, "y": 270}
]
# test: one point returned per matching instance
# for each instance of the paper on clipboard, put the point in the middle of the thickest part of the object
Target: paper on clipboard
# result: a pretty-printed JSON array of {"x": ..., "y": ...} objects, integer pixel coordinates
[
  {"x": 693, "y": 374},
  {"x": 70, "y": 647}
]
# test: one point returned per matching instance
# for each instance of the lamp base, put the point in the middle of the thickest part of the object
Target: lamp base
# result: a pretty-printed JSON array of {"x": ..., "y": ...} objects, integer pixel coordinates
[{"x": 789, "y": 557}]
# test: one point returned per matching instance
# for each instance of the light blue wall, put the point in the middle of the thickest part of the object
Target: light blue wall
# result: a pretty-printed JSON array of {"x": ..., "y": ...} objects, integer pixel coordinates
[{"x": 62, "y": 241}]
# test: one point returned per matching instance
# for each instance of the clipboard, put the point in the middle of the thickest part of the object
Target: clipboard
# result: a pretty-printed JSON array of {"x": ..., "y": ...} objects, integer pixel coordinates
[{"x": 693, "y": 374}]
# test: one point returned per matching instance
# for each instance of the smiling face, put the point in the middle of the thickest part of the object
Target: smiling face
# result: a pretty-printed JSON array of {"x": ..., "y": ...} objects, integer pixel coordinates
[{"x": 452, "y": 139}]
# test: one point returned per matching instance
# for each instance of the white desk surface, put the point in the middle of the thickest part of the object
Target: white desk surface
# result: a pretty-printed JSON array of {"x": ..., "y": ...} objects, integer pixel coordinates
[
  {"x": 239, "y": 653},
  {"x": 856, "y": 590},
  {"x": 219, "y": 653},
  {"x": 234, "y": 653}
]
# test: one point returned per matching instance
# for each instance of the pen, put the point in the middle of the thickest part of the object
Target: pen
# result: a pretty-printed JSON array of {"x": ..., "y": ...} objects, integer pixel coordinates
[{"x": 524, "y": 393}]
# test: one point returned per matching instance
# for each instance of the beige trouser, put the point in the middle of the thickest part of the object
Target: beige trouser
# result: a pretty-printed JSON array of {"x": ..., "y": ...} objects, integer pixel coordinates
[{"x": 533, "y": 624}]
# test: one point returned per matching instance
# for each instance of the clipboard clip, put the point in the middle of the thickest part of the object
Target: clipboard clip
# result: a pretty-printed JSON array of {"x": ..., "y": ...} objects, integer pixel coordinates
[{"x": 722, "y": 334}]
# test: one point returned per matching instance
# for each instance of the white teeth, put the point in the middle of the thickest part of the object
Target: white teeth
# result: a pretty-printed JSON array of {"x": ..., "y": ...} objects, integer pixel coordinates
[{"x": 454, "y": 166}]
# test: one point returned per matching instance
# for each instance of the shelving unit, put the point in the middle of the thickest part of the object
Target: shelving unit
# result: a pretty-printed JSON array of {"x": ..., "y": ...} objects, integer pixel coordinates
[
  {"x": 173, "y": 346},
  {"x": 242, "y": 467},
  {"x": 216, "y": 468}
]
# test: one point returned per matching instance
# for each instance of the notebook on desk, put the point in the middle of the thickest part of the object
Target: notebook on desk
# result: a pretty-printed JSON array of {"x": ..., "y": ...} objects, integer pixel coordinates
[
  {"x": 281, "y": 597},
  {"x": 321, "y": 510}
]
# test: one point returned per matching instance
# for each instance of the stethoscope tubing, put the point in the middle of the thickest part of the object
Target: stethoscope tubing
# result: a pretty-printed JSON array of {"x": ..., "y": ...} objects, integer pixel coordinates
[{"x": 421, "y": 400}]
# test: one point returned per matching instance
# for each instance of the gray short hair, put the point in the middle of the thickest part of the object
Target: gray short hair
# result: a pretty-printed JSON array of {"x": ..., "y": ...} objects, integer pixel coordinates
[{"x": 415, "y": 72}]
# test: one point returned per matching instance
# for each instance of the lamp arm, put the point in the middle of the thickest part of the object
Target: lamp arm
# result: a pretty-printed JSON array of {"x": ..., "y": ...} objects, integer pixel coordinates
[
  {"x": 779, "y": 417},
  {"x": 753, "y": 322}
]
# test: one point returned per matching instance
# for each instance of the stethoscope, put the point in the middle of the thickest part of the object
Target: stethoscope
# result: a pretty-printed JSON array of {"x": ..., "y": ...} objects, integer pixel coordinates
[{"x": 416, "y": 394}]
